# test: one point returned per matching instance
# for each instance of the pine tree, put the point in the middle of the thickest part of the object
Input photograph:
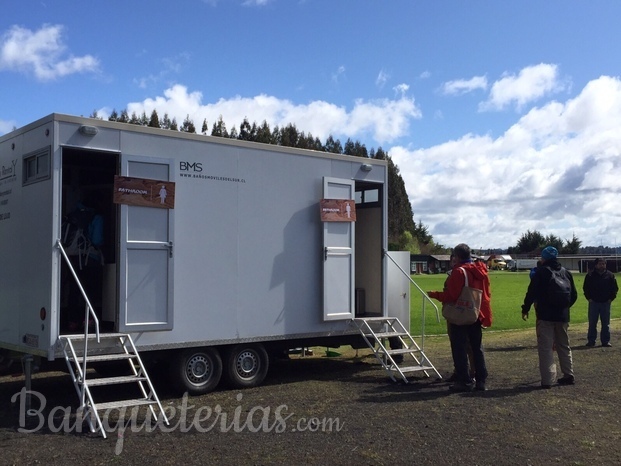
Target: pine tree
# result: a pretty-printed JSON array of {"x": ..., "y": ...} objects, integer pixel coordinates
[
  {"x": 245, "y": 130},
  {"x": 144, "y": 121},
  {"x": 332, "y": 146},
  {"x": 289, "y": 136},
  {"x": 154, "y": 121},
  {"x": 124, "y": 117},
  {"x": 219, "y": 128},
  {"x": 264, "y": 134},
  {"x": 188, "y": 125},
  {"x": 165, "y": 122},
  {"x": 400, "y": 215}
]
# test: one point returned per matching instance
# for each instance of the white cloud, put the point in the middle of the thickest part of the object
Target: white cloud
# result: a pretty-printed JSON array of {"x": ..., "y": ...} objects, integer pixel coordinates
[
  {"x": 6, "y": 126},
  {"x": 170, "y": 66},
  {"x": 463, "y": 86},
  {"x": 381, "y": 79},
  {"x": 336, "y": 76},
  {"x": 384, "y": 120},
  {"x": 555, "y": 167},
  {"x": 401, "y": 89},
  {"x": 531, "y": 84},
  {"x": 41, "y": 53}
]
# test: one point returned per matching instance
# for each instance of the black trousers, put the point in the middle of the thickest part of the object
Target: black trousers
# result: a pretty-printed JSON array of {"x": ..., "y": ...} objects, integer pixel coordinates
[{"x": 461, "y": 336}]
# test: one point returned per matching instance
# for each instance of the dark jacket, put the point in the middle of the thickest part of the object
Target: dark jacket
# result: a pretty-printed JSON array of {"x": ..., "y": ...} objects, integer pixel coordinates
[
  {"x": 538, "y": 293},
  {"x": 600, "y": 287}
]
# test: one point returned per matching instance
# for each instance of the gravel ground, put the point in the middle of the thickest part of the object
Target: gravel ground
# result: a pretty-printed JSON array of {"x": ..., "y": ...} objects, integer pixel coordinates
[{"x": 345, "y": 410}]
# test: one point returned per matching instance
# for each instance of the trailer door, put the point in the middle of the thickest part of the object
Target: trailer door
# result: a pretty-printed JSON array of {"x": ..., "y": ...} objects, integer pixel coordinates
[
  {"x": 338, "y": 264},
  {"x": 146, "y": 255}
]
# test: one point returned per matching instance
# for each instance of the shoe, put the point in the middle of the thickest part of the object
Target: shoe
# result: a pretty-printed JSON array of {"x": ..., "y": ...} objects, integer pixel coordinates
[
  {"x": 461, "y": 387},
  {"x": 480, "y": 387},
  {"x": 590, "y": 343},
  {"x": 545, "y": 386},
  {"x": 567, "y": 380},
  {"x": 607, "y": 345}
]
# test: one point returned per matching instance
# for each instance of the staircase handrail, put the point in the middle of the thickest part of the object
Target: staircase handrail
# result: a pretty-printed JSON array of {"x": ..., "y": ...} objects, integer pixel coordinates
[
  {"x": 88, "y": 313},
  {"x": 424, "y": 295}
]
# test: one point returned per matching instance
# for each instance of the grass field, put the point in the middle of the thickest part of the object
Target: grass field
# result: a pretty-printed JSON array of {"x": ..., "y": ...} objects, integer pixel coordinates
[{"x": 508, "y": 290}]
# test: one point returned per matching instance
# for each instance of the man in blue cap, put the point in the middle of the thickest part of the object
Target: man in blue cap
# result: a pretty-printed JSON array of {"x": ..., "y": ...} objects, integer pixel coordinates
[{"x": 552, "y": 288}]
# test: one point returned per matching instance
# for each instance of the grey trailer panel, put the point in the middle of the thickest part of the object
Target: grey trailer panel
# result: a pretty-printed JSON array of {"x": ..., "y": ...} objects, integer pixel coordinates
[{"x": 245, "y": 236}]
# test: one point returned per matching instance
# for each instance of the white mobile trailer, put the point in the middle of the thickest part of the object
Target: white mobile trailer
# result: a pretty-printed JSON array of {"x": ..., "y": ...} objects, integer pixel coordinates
[
  {"x": 524, "y": 264},
  {"x": 235, "y": 261}
]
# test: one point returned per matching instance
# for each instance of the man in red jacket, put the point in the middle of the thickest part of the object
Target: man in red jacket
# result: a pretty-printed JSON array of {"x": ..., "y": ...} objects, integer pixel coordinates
[{"x": 460, "y": 335}]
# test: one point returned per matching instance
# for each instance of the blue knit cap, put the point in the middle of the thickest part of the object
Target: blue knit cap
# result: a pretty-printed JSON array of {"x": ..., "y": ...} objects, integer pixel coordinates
[{"x": 548, "y": 253}]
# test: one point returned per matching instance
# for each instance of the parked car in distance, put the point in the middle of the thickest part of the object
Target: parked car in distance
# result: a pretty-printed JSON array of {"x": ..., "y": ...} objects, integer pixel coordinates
[{"x": 496, "y": 263}]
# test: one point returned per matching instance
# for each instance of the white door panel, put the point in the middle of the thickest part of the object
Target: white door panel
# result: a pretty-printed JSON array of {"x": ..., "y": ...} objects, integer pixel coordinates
[
  {"x": 338, "y": 271},
  {"x": 146, "y": 272}
]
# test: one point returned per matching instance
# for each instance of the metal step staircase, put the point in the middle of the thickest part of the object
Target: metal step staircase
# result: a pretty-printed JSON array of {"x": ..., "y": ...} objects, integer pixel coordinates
[
  {"x": 107, "y": 347},
  {"x": 398, "y": 362}
]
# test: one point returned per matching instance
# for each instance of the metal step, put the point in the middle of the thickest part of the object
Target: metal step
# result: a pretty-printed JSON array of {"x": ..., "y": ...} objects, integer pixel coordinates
[
  {"x": 124, "y": 404},
  {"x": 92, "y": 336},
  {"x": 403, "y": 351},
  {"x": 376, "y": 319},
  {"x": 392, "y": 327},
  {"x": 408, "y": 369},
  {"x": 104, "y": 357},
  {"x": 385, "y": 334},
  {"x": 114, "y": 380},
  {"x": 123, "y": 349}
]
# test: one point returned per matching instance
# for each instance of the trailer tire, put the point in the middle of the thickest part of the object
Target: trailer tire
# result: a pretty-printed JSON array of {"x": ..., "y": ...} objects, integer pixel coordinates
[
  {"x": 196, "y": 370},
  {"x": 246, "y": 365}
]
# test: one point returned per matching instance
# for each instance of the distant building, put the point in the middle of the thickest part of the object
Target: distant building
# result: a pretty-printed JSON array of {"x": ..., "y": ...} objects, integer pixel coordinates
[{"x": 429, "y": 263}]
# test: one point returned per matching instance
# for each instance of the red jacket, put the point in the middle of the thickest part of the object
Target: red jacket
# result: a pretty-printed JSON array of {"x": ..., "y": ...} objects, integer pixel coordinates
[{"x": 477, "y": 278}]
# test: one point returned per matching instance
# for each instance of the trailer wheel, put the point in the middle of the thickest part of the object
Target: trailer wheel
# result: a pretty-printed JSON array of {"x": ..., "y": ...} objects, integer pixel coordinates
[
  {"x": 246, "y": 365},
  {"x": 196, "y": 370}
]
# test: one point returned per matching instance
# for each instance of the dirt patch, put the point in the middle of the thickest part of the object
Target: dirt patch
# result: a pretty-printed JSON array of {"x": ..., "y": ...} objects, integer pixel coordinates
[{"x": 345, "y": 410}]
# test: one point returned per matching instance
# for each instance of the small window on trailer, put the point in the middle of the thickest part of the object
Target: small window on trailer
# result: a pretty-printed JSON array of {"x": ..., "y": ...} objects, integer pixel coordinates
[{"x": 36, "y": 166}]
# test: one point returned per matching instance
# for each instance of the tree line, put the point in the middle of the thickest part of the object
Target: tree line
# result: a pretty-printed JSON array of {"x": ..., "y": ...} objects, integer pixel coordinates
[
  {"x": 532, "y": 242},
  {"x": 403, "y": 232}
]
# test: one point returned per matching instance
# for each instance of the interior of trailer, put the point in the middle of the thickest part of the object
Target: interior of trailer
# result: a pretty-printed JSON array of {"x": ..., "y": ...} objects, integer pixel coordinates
[{"x": 88, "y": 232}]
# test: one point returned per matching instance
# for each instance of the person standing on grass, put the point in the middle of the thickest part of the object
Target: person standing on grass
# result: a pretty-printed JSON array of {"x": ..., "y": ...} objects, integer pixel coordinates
[
  {"x": 600, "y": 289},
  {"x": 453, "y": 261},
  {"x": 552, "y": 288},
  {"x": 461, "y": 335}
]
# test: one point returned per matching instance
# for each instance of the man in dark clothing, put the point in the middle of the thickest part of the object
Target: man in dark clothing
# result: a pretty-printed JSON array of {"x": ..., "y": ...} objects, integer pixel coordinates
[
  {"x": 466, "y": 337},
  {"x": 600, "y": 289},
  {"x": 552, "y": 289}
]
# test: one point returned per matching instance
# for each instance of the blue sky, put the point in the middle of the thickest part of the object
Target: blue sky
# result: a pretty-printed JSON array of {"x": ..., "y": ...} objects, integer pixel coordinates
[{"x": 502, "y": 116}]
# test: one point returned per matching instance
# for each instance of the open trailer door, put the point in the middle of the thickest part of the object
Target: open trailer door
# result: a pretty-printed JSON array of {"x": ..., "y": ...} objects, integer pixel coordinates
[
  {"x": 338, "y": 215},
  {"x": 146, "y": 253}
]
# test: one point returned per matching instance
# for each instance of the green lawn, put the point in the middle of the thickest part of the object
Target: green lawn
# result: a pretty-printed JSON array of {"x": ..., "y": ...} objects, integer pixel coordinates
[{"x": 508, "y": 290}]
